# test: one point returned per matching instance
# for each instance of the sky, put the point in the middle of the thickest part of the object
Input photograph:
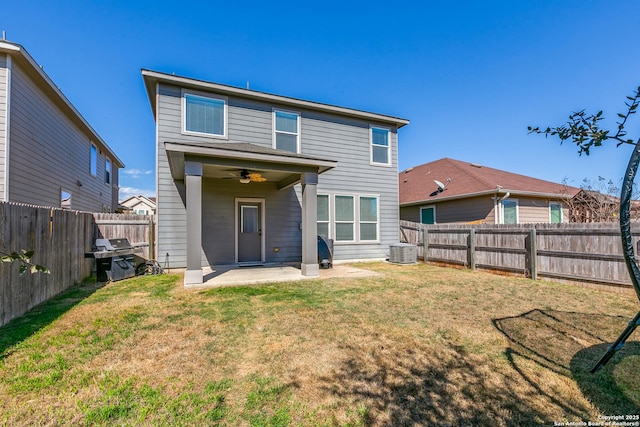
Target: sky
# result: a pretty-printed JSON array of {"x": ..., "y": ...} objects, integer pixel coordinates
[{"x": 469, "y": 75}]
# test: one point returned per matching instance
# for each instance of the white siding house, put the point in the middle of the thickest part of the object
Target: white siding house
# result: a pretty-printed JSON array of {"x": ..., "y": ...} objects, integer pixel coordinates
[
  {"x": 49, "y": 154},
  {"x": 246, "y": 177}
]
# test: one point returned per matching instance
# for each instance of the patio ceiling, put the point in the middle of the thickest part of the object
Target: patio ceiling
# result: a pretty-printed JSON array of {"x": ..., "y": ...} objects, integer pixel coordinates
[{"x": 224, "y": 160}]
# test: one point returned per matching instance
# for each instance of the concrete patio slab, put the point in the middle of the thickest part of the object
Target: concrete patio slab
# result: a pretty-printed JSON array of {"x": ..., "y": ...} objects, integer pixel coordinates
[{"x": 234, "y": 275}]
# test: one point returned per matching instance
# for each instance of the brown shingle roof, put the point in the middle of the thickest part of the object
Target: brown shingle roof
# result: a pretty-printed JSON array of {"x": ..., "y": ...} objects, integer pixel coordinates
[{"x": 470, "y": 179}]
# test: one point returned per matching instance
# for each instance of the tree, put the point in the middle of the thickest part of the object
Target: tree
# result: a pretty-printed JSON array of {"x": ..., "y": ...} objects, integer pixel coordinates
[
  {"x": 24, "y": 259},
  {"x": 586, "y": 131},
  {"x": 597, "y": 201}
]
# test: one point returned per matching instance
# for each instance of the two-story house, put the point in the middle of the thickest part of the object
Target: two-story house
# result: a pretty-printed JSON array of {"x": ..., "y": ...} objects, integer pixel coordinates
[
  {"x": 140, "y": 205},
  {"x": 49, "y": 154},
  {"x": 246, "y": 177}
]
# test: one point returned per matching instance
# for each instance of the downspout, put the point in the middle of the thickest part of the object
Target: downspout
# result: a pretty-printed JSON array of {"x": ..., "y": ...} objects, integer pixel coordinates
[
  {"x": 7, "y": 130},
  {"x": 497, "y": 203}
]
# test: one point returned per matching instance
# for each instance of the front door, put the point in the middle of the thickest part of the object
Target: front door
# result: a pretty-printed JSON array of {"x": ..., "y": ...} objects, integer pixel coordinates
[{"x": 249, "y": 223}]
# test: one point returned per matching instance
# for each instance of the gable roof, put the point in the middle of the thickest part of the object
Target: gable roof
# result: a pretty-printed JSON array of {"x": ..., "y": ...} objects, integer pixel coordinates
[
  {"x": 44, "y": 82},
  {"x": 151, "y": 78},
  {"x": 469, "y": 180},
  {"x": 151, "y": 201}
]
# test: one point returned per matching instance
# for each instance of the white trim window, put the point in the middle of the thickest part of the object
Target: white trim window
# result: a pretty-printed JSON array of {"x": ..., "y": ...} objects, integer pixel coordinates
[
  {"x": 286, "y": 131},
  {"x": 344, "y": 218},
  {"x": 324, "y": 215},
  {"x": 65, "y": 199},
  {"x": 93, "y": 160},
  {"x": 107, "y": 171},
  {"x": 349, "y": 218},
  {"x": 380, "y": 139},
  {"x": 509, "y": 211},
  {"x": 369, "y": 214},
  {"x": 555, "y": 213},
  {"x": 428, "y": 215},
  {"x": 204, "y": 114}
]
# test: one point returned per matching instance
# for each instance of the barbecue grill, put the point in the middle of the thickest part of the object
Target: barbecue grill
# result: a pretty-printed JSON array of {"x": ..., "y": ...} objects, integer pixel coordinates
[{"x": 114, "y": 259}]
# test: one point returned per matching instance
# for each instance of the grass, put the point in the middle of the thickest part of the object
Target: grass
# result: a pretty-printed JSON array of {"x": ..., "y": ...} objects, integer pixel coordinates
[{"x": 421, "y": 345}]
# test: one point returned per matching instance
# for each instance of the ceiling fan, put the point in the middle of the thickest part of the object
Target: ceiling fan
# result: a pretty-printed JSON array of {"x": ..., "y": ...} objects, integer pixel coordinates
[{"x": 246, "y": 177}]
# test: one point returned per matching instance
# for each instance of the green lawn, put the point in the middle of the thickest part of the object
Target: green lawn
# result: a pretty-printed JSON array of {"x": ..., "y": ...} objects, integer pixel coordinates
[{"x": 422, "y": 345}]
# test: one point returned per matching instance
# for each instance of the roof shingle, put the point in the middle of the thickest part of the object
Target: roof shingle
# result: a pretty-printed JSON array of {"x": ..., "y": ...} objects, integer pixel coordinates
[{"x": 470, "y": 179}]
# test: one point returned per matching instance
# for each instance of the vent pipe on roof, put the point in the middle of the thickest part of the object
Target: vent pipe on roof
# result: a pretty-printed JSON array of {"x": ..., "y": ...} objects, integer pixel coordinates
[{"x": 4, "y": 35}]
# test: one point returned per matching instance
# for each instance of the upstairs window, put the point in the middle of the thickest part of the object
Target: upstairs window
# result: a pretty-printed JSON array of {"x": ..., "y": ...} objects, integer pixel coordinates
[
  {"x": 286, "y": 131},
  {"x": 93, "y": 165},
  {"x": 380, "y": 153},
  {"x": 206, "y": 115},
  {"x": 107, "y": 171}
]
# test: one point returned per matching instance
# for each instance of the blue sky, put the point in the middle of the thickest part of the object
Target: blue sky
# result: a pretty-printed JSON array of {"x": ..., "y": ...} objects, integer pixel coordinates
[{"x": 470, "y": 75}]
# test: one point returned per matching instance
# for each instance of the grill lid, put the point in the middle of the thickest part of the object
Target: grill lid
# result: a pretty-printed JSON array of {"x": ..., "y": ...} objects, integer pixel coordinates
[{"x": 113, "y": 244}]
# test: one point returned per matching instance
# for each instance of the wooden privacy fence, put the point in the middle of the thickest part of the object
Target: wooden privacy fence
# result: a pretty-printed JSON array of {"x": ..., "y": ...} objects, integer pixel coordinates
[
  {"x": 138, "y": 229},
  {"x": 60, "y": 239},
  {"x": 586, "y": 253}
]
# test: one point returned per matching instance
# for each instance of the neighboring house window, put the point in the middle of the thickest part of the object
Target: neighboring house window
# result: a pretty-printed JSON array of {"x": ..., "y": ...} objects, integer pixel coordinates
[
  {"x": 141, "y": 212},
  {"x": 555, "y": 213},
  {"x": 368, "y": 218},
  {"x": 107, "y": 171},
  {"x": 380, "y": 148},
  {"x": 345, "y": 219},
  {"x": 428, "y": 215},
  {"x": 206, "y": 115},
  {"x": 510, "y": 211},
  {"x": 349, "y": 218},
  {"x": 94, "y": 160},
  {"x": 323, "y": 215},
  {"x": 65, "y": 199},
  {"x": 286, "y": 131}
]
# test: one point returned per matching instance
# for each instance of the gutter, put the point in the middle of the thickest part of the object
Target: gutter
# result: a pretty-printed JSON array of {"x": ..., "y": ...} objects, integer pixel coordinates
[
  {"x": 503, "y": 191},
  {"x": 150, "y": 77}
]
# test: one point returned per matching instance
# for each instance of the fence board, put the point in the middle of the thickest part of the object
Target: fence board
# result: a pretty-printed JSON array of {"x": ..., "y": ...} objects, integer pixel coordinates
[
  {"x": 60, "y": 239},
  {"x": 590, "y": 253}
]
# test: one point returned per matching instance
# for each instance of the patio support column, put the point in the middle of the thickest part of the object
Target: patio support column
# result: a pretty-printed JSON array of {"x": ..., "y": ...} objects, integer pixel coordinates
[
  {"x": 309, "y": 181},
  {"x": 193, "y": 184}
]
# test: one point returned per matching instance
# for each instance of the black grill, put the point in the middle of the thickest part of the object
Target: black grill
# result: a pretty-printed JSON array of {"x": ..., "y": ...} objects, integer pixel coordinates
[{"x": 114, "y": 259}]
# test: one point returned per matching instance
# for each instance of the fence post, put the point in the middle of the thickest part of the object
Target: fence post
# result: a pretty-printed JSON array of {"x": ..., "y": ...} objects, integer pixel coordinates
[
  {"x": 532, "y": 254},
  {"x": 471, "y": 254},
  {"x": 152, "y": 243},
  {"x": 425, "y": 243}
]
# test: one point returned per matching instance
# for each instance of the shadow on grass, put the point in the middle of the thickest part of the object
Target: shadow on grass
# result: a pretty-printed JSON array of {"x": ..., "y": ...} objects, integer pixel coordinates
[
  {"x": 570, "y": 344},
  {"x": 22, "y": 327},
  {"x": 420, "y": 386}
]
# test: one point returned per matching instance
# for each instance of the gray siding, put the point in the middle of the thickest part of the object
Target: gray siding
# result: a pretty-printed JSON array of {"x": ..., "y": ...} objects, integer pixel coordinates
[
  {"x": 282, "y": 221},
  {"x": 471, "y": 210},
  {"x": 3, "y": 123},
  {"x": 532, "y": 211},
  {"x": 49, "y": 153},
  {"x": 481, "y": 210},
  {"x": 327, "y": 136}
]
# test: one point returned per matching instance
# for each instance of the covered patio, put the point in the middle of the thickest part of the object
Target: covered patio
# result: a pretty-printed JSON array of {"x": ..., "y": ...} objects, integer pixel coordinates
[
  {"x": 191, "y": 162},
  {"x": 237, "y": 276}
]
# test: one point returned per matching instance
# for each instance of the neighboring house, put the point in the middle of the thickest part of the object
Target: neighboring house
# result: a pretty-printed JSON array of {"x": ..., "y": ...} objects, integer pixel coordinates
[
  {"x": 472, "y": 193},
  {"x": 49, "y": 154},
  {"x": 140, "y": 205},
  {"x": 246, "y": 177}
]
